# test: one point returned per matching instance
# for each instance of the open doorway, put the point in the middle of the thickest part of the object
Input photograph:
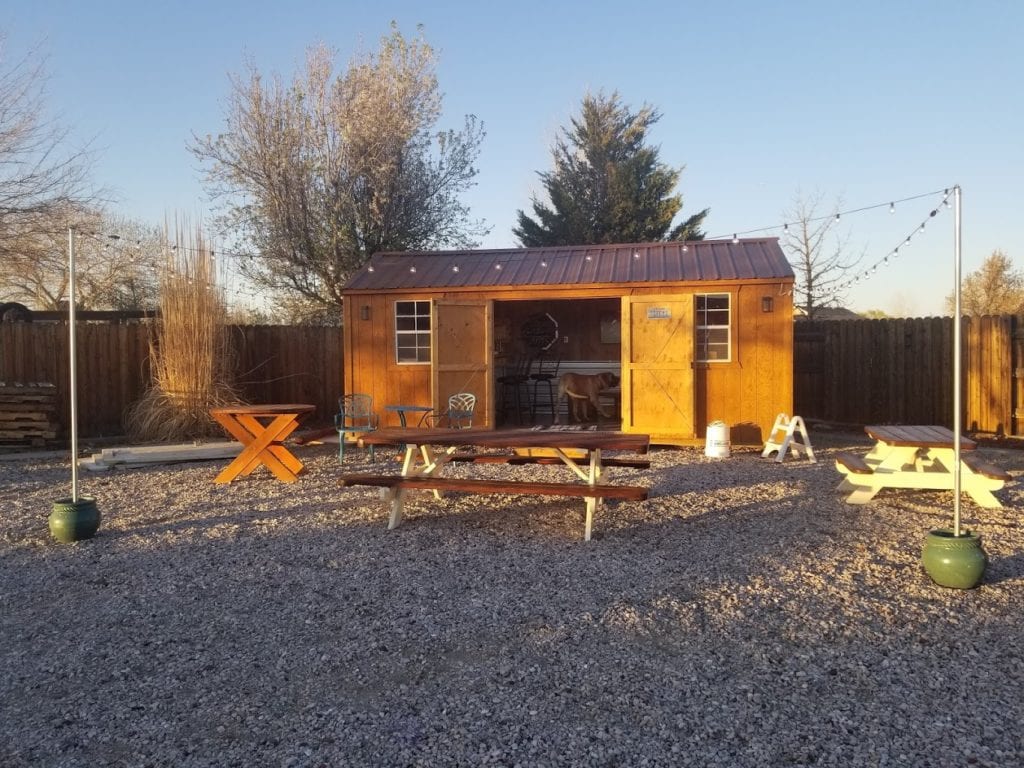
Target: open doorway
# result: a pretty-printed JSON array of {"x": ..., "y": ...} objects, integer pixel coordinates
[{"x": 535, "y": 342}]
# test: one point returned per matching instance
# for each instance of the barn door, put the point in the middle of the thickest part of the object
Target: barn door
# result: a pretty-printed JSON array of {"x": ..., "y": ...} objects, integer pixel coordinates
[
  {"x": 461, "y": 353},
  {"x": 657, "y": 366}
]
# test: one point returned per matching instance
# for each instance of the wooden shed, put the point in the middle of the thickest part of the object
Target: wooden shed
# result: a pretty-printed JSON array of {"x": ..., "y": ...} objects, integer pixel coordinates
[{"x": 698, "y": 331}]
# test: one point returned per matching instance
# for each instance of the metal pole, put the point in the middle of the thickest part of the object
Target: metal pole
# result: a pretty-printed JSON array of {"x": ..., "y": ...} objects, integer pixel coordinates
[
  {"x": 957, "y": 331},
  {"x": 73, "y": 359}
]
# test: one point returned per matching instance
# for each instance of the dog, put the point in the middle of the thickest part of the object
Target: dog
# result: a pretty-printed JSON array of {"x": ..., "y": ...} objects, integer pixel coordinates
[{"x": 578, "y": 389}]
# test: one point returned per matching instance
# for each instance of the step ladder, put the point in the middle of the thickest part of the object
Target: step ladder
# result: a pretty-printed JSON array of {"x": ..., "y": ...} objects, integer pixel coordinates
[{"x": 788, "y": 435}]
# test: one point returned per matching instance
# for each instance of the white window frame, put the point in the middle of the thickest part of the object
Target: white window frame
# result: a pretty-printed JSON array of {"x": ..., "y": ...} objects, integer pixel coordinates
[
  {"x": 702, "y": 328},
  {"x": 421, "y": 313}
]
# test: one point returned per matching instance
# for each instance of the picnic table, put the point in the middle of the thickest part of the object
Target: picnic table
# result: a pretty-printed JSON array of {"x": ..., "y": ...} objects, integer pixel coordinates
[
  {"x": 919, "y": 457},
  {"x": 262, "y": 429},
  {"x": 428, "y": 451}
]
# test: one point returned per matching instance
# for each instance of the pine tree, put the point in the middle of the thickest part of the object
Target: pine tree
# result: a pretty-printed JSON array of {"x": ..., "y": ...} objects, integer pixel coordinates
[{"x": 607, "y": 185}]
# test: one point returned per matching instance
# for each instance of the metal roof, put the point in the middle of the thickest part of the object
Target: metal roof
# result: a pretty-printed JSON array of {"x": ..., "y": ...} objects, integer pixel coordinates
[{"x": 673, "y": 262}]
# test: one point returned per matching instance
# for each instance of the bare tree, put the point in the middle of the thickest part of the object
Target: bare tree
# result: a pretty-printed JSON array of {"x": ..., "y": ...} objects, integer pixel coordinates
[
  {"x": 317, "y": 175},
  {"x": 42, "y": 179},
  {"x": 817, "y": 252},
  {"x": 995, "y": 288},
  {"x": 111, "y": 273}
]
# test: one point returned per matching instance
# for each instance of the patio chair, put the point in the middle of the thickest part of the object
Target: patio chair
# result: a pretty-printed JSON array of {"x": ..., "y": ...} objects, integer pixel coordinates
[
  {"x": 355, "y": 416},
  {"x": 459, "y": 414}
]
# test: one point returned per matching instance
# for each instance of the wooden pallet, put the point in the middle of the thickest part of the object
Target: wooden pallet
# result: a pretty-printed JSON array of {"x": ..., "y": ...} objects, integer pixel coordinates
[{"x": 28, "y": 413}]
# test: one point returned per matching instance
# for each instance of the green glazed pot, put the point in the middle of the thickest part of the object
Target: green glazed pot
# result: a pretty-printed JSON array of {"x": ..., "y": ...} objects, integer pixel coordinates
[
  {"x": 954, "y": 561},
  {"x": 74, "y": 520}
]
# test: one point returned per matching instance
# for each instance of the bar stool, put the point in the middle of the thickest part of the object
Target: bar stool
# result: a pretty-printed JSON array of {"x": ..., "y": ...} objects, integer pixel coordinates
[
  {"x": 513, "y": 383},
  {"x": 546, "y": 375}
]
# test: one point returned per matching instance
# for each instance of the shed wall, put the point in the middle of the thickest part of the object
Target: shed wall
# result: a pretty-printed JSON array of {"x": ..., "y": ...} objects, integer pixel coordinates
[{"x": 747, "y": 392}]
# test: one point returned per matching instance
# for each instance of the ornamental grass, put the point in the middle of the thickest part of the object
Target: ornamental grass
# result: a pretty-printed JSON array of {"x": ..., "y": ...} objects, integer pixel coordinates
[{"x": 190, "y": 353}]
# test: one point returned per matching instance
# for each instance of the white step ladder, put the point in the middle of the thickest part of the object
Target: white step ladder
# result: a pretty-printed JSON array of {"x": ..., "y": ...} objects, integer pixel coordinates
[{"x": 783, "y": 438}]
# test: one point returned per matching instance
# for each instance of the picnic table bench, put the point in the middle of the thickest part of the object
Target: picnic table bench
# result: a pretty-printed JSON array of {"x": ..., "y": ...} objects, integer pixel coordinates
[
  {"x": 422, "y": 464},
  {"x": 919, "y": 457}
]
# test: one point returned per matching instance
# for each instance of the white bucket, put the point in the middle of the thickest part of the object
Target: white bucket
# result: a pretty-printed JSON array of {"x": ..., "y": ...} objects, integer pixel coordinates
[{"x": 717, "y": 443}]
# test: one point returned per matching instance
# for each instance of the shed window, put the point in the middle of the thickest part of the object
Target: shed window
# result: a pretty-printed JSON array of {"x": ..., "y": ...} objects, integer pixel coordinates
[
  {"x": 412, "y": 331},
  {"x": 713, "y": 328}
]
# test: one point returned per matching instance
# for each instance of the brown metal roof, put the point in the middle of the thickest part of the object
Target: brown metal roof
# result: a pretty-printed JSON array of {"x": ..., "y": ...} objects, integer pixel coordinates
[{"x": 675, "y": 262}]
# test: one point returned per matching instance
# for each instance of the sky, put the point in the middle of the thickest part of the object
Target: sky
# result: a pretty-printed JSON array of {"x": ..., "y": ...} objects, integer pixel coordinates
[{"x": 862, "y": 103}]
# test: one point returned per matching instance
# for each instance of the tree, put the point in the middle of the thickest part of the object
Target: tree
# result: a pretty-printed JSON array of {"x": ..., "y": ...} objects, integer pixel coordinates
[
  {"x": 817, "y": 253},
  {"x": 607, "y": 185},
  {"x": 317, "y": 175},
  {"x": 42, "y": 180},
  {"x": 120, "y": 273},
  {"x": 995, "y": 288}
]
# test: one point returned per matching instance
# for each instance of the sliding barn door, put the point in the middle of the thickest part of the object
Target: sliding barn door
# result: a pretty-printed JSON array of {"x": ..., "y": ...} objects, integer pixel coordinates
[
  {"x": 461, "y": 355},
  {"x": 657, "y": 366}
]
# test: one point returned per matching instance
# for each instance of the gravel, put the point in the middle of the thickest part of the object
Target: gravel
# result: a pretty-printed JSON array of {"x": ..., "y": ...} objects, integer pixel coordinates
[{"x": 743, "y": 616}]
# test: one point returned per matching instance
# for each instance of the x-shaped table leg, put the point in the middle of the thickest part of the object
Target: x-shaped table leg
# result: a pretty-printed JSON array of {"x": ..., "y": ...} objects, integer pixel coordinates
[{"x": 262, "y": 446}]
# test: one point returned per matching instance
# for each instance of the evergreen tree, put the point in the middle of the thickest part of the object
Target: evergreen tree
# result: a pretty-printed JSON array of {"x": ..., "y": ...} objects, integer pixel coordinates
[{"x": 607, "y": 185}]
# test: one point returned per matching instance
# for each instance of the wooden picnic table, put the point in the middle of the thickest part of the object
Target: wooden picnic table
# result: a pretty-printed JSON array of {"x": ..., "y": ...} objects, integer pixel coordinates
[
  {"x": 918, "y": 456},
  {"x": 262, "y": 429},
  {"x": 423, "y": 463}
]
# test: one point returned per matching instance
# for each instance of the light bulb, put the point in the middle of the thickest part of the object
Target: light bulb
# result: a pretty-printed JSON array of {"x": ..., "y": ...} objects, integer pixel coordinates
[
  {"x": 735, "y": 239},
  {"x": 892, "y": 207}
]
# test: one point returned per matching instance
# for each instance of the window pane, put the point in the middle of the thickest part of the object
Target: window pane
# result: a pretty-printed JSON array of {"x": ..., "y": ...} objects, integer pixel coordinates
[
  {"x": 405, "y": 323},
  {"x": 718, "y": 336},
  {"x": 406, "y": 354},
  {"x": 718, "y": 317}
]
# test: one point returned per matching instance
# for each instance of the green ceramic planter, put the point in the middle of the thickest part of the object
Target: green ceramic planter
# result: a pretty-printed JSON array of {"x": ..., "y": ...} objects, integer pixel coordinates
[
  {"x": 74, "y": 520},
  {"x": 954, "y": 561}
]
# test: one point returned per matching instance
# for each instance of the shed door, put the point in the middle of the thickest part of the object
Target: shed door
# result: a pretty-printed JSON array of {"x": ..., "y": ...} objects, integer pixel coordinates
[
  {"x": 461, "y": 353},
  {"x": 657, "y": 365}
]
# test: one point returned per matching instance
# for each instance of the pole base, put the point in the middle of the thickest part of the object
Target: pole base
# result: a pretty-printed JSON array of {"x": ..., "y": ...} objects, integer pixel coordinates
[{"x": 954, "y": 561}]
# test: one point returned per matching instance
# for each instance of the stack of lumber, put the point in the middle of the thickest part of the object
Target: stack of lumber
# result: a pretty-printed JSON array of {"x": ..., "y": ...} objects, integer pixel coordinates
[
  {"x": 160, "y": 454},
  {"x": 28, "y": 413}
]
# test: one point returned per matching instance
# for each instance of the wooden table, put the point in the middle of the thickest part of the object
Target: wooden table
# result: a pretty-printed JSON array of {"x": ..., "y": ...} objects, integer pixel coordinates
[
  {"x": 262, "y": 429},
  {"x": 423, "y": 464},
  {"x": 916, "y": 456}
]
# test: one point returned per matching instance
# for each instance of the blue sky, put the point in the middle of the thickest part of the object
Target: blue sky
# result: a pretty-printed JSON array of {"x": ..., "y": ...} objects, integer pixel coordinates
[{"x": 865, "y": 102}]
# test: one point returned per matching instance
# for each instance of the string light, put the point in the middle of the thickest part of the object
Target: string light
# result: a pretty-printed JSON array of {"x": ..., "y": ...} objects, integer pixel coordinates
[{"x": 894, "y": 253}]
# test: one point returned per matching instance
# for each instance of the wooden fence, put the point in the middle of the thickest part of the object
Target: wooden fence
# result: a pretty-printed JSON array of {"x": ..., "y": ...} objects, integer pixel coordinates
[
  {"x": 273, "y": 364},
  {"x": 901, "y": 371},
  {"x": 846, "y": 371}
]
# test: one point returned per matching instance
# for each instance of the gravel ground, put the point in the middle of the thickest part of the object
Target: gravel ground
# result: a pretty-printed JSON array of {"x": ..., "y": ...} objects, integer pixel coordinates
[{"x": 743, "y": 616}]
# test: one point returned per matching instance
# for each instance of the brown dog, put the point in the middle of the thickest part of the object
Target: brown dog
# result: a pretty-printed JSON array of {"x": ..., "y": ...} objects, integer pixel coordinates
[{"x": 579, "y": 389}]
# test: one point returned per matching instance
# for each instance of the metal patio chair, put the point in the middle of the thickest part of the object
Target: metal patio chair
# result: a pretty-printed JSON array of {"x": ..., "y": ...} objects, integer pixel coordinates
[
  {"x": 355, "y": 417},
  {"x": 459, "y": 414}
]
